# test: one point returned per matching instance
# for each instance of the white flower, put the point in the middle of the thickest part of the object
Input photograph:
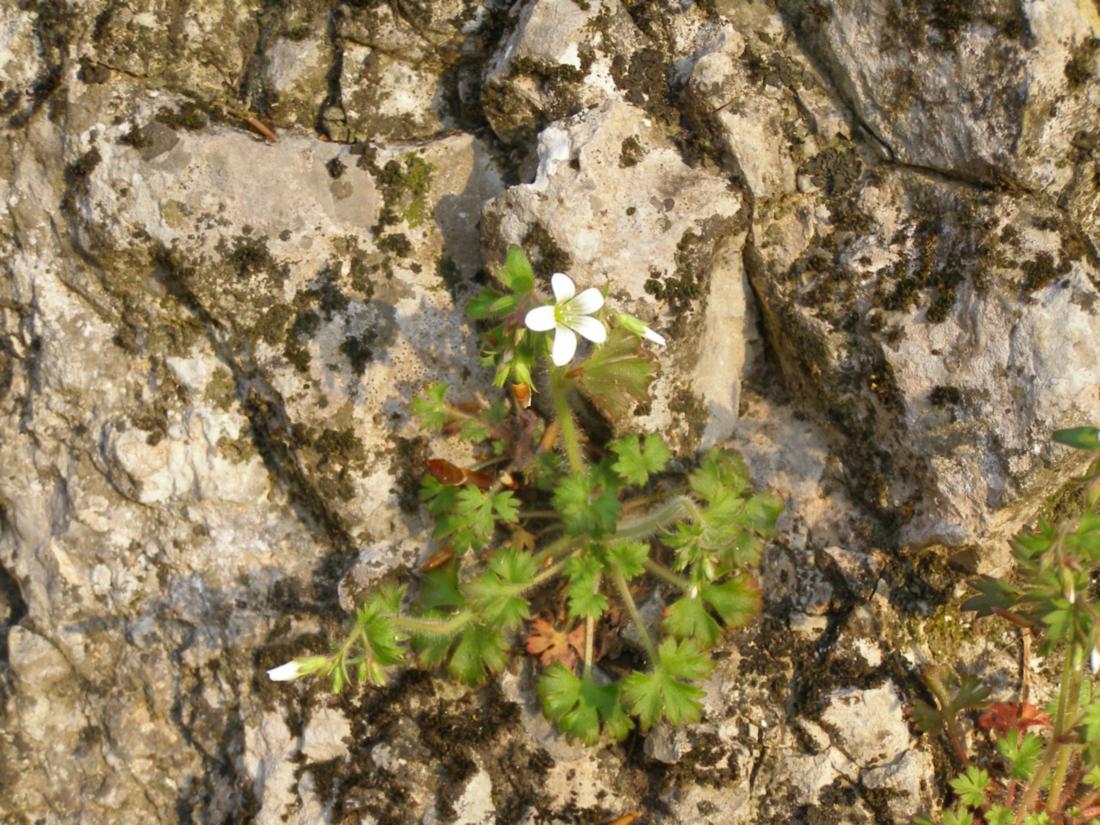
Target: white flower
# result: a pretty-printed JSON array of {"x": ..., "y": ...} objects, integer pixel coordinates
[
  {"x": 569, "y": 316},
  {"x": 285, "y": 673},
  {"x": 1094, "y": 660}
]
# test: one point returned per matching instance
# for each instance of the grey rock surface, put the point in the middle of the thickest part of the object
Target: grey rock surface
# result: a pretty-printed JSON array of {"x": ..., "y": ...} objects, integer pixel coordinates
[
  {"x": 238, "y": 237},
  {"x": 614, "y": 203}
]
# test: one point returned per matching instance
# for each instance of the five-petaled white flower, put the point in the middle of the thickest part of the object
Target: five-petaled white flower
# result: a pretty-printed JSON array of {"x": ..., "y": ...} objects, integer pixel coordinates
[{"x": 569, "y": 316}]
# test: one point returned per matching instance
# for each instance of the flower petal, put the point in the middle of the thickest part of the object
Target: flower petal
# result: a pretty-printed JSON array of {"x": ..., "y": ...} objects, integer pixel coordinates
[
  {"x": 655, "y": 337},
  {"x": 284, "y": 673},
  {"x": 563, "y": 287},
  {"x": 587, "y": 302},
  {"x": 540, "y": 319},
  {"x": 565, "y": 347},
  {"x": 588, "y": 327}
]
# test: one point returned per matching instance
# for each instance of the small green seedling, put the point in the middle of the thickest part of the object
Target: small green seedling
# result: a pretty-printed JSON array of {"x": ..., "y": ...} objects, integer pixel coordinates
[
  {"x": 1048, "y": 766},
  {"x": 578, "y": 536}
]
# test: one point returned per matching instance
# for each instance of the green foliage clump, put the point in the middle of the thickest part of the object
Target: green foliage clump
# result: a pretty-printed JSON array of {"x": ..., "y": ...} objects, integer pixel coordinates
[
  {"x": 1049, "y": 769},
  {"x": 530, "y": 531}
]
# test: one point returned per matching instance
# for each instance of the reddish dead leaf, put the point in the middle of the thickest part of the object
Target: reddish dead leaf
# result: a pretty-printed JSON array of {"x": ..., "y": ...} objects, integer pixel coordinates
[
  {"x": 552, "y": 645},
  {"x": 447, "y": 473},
  {"x": 522, "y": 394},
  {"x": 625, "y": 819},
  {"x": 1005, "y": 716},
  {"x": 437, "y": 559}
]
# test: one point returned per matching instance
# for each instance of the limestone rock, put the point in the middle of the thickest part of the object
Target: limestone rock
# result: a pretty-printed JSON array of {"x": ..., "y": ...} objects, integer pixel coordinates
[
  {"x": 868, "y": 725},
  {"x": 202, "y": 48},
  {"x": 560, "y": 57},
  {"x": 306, "y": 302},
  {"x": 614, "y": 204},
  {"x": 207, "y": 343},
  {"x": 981, "y": 309},
  {"x": 23, "y": 72},
  {"x": 967, "y": 91},
  {"x": 408, "y": 71}
]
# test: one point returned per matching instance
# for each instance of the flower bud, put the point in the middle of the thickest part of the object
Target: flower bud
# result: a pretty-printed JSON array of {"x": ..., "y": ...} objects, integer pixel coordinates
[
  {"x": 638, "y": 327},
  {"x": 297, "y": 668}
]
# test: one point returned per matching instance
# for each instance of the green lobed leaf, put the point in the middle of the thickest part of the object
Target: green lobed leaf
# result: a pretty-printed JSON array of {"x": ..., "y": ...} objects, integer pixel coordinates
[
  {"x": 479, "y": 652},
  {"x": 629, "y": 557},
  {"x": 473, "y": 430},
  {"x": 585, "y": 601},
  {"x": 471, "y": 519},
  {"x": 497, "y": 594},
  {"x": 1090, "y": 719},
  {"x": 1092, "y": 778},
  {"x": 970, "y": 694},
  {"x": 687, "y": 618},
  {"x": 971, "y": 786},
  {"x": 999, "y": 815},
  {"x": 762, "y": 511},
  {"x": 1022, "y": 752},
  {"x": 478, "y": 307},
  {"x": 517, "y": 274},
  {"x": 928, "y": 718},
  {"x": 958, "y": 816},
  {"x": 616, "y": 375},
  {"x": 439, "y": 588},
  {"x": 666, "y": 692},
  {"x": 587, "y": 503},
  {"x": 549, "y": 469},
  {"x": 580, "y": 707},
  {"x": 737, "y": 601},
  {"x": 381, "y": 638},
  {"x": 431, "y": 407},
  {"x": 637, "y": 461},
  {"x": 720, "y": 472},
  {"x": 993, "y": 595},
  {"x": 506, "y": 507}
]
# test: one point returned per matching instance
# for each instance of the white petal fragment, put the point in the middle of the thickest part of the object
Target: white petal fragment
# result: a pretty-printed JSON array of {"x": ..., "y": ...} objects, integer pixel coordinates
[
  {"x": 655, "y": 337},
  {"x": 284, "y": 673},
  {"x": 565, "y": 347},
  {"x": 587, "y": 302},
  {"x": 588, "y": 327},
  {"x": 563, "y": 287},
  {"x": 540, "y": 319}
]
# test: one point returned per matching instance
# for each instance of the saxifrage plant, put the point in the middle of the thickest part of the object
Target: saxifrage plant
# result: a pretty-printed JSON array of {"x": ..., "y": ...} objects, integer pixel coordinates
[
  {"x": 1047, "y": 770},
  {"x": 529, "y": 530}
]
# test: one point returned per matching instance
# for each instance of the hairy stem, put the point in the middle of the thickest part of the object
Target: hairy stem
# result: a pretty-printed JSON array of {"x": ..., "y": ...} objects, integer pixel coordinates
[
  {"x": 934, "y": 680},
  {"x": 1062, "y": 727},
  {"x": 547, "y": 574},
  {"x": 1053, "y": 751},
  {"x": 628, "y": 601},
  {"x": 590, "y": 634},
  {"x": 434, "y": 627},
  {"x": 675, "y": 579},
  {"x": 634, "y": 529},
  {"x": 558, "y": 388},
  {"x": 645, "y": 526},
  {"x": 559, "y": 547}
]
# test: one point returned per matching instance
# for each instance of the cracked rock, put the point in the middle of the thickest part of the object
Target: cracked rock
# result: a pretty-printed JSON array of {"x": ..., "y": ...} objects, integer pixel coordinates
[{"x": 614, "y": 204}]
